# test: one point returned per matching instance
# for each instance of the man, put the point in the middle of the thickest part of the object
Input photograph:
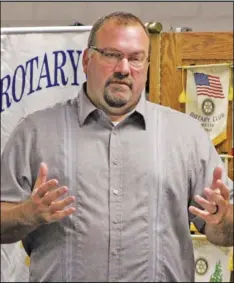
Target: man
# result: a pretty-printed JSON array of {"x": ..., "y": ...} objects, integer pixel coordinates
[{"x": 119, "y": 177}]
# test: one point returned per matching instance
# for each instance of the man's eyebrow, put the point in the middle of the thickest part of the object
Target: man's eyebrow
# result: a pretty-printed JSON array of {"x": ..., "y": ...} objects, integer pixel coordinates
[
  {"x": 139, "y": 52},
  {"x": 110, "y": 49}
]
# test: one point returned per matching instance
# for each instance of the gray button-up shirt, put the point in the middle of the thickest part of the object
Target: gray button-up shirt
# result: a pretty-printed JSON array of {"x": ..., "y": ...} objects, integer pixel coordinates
[{"x": 133, "y": 184}]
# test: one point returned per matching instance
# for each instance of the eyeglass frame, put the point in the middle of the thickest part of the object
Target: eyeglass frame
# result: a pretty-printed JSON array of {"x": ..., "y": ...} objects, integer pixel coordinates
[{"x": 120, "y": 58}]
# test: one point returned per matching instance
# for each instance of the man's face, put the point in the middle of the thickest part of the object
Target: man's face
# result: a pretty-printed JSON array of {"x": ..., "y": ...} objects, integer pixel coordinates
[{"x": 115, "y": 82}]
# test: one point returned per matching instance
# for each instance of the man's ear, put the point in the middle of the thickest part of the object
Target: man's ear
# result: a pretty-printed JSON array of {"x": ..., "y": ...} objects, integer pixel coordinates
[{"x": 85, "y": 60}]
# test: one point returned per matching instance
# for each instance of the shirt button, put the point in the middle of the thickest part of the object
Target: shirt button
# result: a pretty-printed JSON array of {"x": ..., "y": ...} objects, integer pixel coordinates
[
  {"x": 115, "y": 221},
  {"x": 116, "y": 192},
  {"x": 114, "y": 132},
  {"x": 115, "y": 162},
  {"x": 114, "y": 252}
]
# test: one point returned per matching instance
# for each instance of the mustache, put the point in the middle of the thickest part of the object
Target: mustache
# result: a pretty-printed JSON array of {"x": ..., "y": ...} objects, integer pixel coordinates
[{"x": 124, "y": 82}]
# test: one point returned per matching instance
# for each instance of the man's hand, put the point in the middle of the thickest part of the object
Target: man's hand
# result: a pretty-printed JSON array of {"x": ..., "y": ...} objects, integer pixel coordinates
[
  {"x": 217, "y": 203},
  {"x": 45, "y": 202}
]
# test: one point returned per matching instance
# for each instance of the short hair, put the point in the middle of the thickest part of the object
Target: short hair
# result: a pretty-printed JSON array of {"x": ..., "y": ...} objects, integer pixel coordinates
[{"x": 121, "y": 18}]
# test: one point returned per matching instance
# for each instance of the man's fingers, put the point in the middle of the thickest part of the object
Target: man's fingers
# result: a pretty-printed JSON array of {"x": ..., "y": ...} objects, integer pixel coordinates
[
  {"x": 217, "y": 196},
  {"x": 54, "y": 195},
  {"x": 42, "y": 175},
  {"x": 210, "y": 207},
  {"x": 44, "y": 188},
  {"x": 61, "y": 204},
  {"x": 205, "y": 215},
  {"x": 47, "y": 205},
  {"x": 217, "y": 175},
  {"x": 219, "y": 190},
  {"x": 58, "y": 215}
]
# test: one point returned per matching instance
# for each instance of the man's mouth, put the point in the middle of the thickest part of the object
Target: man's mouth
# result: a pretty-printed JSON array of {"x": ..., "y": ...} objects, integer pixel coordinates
[{"x": 121, "y": 83}]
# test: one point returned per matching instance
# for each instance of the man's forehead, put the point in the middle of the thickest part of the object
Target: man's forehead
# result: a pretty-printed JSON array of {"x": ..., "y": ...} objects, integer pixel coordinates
[
  {"x": 111, "y": 31},
  {"x": 118, "y": 24}
]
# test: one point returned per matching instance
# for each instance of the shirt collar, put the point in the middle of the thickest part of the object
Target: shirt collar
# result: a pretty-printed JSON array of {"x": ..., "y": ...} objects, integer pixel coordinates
[
  {"x": 141, "y": 108},
  {"x": 86, "y": 107}
]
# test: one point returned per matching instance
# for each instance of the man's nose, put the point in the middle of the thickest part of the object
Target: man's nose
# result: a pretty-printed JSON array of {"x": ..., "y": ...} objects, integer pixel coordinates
[{"x": 123, "y": 66}]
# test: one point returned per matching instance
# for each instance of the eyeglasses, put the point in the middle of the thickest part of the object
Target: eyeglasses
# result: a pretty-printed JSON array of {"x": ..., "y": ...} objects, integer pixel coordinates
[{"x": 113, "y": 57}]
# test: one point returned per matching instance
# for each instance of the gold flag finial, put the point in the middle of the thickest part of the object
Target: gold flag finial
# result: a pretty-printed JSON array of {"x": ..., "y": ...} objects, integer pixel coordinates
[
  {"x": 154, "y": 27},
  {"x": 182, "y": 96}
]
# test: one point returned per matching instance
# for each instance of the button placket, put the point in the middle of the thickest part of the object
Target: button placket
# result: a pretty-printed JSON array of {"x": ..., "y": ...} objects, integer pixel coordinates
[{"x": 115, "y": 206}]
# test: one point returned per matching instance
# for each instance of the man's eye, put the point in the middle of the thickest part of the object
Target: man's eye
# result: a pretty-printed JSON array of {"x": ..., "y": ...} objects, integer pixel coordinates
[
  {"x": 136, "y": 59},
  {"x": 112, "y": 55}
]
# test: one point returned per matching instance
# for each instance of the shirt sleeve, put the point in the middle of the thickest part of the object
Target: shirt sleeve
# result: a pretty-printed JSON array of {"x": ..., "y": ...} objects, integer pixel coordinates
[
  {"x": 16, "y": 160},
  {"x": 204, "y": 159}
]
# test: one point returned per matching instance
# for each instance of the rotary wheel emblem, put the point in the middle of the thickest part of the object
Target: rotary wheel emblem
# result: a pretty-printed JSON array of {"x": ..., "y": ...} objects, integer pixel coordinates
[
  {"x": 208, "y": 107},
  {"x": 201, "y": 266}
]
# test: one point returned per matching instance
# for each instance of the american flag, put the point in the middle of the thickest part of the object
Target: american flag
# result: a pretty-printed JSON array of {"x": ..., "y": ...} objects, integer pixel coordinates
[{"x": 208, "y": 85}]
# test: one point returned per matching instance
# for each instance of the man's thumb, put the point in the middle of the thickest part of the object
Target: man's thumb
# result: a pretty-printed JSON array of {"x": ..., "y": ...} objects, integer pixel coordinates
[{"x": 42, "y": 175}]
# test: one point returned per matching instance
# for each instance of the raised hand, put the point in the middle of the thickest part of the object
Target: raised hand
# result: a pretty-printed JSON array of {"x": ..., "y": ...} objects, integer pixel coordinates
[
  {"x": 46, "y": 202},
  {"x": 217, "y": 200}
]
